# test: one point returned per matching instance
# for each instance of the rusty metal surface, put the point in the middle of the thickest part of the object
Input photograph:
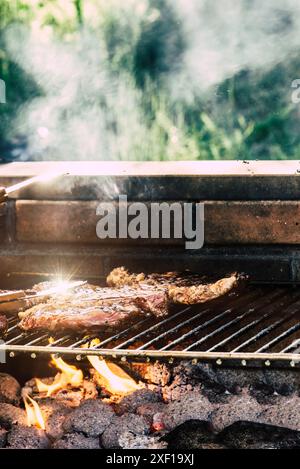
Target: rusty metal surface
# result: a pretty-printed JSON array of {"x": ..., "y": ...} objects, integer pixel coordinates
[{"x": 259, "y": 325}]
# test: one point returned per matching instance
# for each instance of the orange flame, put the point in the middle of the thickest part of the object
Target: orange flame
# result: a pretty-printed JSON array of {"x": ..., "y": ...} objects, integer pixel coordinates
[
  {"x": 34, "y": 414},
  {"x": 70, "y": 375},
  {"x": 113, "y": 378}
]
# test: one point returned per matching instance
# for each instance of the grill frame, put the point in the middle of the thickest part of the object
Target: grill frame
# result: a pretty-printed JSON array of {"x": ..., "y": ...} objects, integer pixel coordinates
[{"x": 255, "y": 305}]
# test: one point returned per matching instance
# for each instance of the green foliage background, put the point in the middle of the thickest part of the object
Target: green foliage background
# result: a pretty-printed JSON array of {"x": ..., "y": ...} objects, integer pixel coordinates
[{"x": 249, "y": 116}]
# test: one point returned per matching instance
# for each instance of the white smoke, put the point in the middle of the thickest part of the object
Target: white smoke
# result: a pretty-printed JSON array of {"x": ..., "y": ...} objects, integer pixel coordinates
[
  {"x": 84, "y": 112},
  {"x": 87, "y": 112},
  {"x": 227, "y": 36}
]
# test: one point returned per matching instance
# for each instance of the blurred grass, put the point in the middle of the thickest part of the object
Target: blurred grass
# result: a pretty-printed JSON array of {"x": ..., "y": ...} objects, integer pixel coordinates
[{"x": 248, "y": 116}]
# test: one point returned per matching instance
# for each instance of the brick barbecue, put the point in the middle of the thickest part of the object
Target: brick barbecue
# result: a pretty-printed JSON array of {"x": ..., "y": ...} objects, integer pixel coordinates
[{"x": 223, "y": 374}]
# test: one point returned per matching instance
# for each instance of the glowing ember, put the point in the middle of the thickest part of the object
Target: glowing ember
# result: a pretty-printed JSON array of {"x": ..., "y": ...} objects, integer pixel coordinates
[
  {"x": 70, "y": 375},
  {"x": 34, "y": 414}
]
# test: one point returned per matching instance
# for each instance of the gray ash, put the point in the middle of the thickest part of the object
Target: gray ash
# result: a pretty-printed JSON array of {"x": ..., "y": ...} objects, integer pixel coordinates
[
  {"x": 286, "y": 413},
  {"x": 137, "y": 398},
  {"x": 130, "y": 441},
  {"x": 54, "y": 413},
  {"x": 21, "y": 437},
  {"x": 76, "y": 441},
  {"x": 10, "y": 389},
  {"x": 92, "y": 417},
  {"x": 134, "y": 424},
  {"x": 11, "y": 415},
  {"x": 149, "y": 410},
  {"x": 238, "y": 408},
  {"x": 192, "y": 406}
]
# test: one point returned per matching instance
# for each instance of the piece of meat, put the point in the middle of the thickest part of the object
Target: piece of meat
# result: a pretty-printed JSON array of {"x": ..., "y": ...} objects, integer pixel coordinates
[
  {"x": 94, "y": 308},
  {"x": 201, "y": 293},
  {"x": 184, "y": 288}
]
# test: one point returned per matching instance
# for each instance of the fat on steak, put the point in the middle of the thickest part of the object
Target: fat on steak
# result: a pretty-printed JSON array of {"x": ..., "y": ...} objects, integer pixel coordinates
[
  {"x": 185, "y": 288},
  {"x": 91, "y": 308}
]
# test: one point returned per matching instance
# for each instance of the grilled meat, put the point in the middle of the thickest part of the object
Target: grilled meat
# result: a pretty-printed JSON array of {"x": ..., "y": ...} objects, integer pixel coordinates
[
  {"x": 185, "y": 288},
  {"x": 94, "y": 308}
]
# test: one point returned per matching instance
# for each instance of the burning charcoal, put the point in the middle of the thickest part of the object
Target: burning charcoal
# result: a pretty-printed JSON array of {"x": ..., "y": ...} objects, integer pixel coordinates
[
  {"x": 71, "y": 397},
  {"x": 27, "y": 438},
  {"x": 89, "y": 390},
  {"x": 134, "y": 424},
  {"x": 92, "y": 417},
  {"x": 242, "y": 407},
  {"x": 283, "y": 382},
  {"x": 245, "y": 435},
  {"x": 76, "y": 441},
  {"x": 179, "y": 387},
  {"x": 154, "y": 373},
  {"x": 284, "y": 414},
  {"x": 191, "y": 435},
  {"x": 54, "y": 414},
  {"x": 148, "y": 411},
  {"x": 135, "y": 399},
  {"x": 10, "y": 415},
  {"x": 10, "y": 390},
  {"x": 129, "y": 441},
  {"x": 30, "y": 388},
  {"x": 193, "y": 406},
  {"x": 3, "y": 435},
  {"x": 204, "y": 374},
  {"x": 264, "y": 394},
  {"x": 234, "y": 380}
]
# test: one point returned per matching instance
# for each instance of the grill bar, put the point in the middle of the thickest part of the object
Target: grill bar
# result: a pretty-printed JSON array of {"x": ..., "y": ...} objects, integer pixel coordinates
[{"x": 258, "y": 324}]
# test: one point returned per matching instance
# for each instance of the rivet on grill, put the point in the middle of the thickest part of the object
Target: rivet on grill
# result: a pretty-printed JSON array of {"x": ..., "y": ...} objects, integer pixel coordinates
[
  {"x": 219, "y": 361},
  {"x": 78, "y": 358},
  {"x": 11, "y": 354},
  {"x": 171, "y": 360},
  {"x": 123, "y": 359},
  {"x": 292, "y": 363},
  {"x": 244, "y": 363},
  {"x": 148, "y": 359},
  {"x": 194, "y": 361},
  {"x": 267, "y": 363},
  {"x": 33, "y": 355}
]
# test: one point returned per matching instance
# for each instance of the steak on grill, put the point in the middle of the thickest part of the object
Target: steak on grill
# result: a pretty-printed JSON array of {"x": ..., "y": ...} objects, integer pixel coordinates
[
  {"x": 184, "y": 288},
  {"x": 92, "y": 308}
]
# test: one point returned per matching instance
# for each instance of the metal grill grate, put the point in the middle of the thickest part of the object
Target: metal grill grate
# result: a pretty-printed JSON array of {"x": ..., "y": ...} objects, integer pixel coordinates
[{"x": 258, "y": 324}]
